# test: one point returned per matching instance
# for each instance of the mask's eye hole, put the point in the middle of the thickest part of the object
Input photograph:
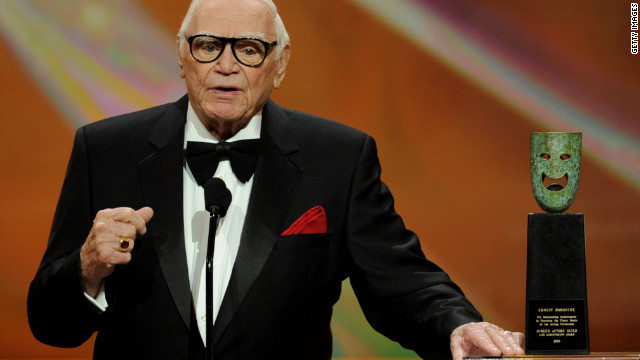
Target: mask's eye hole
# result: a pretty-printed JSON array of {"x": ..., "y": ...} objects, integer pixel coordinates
[
  {"x": 545, "y": 156},
  {"x": 565, "y": 157}
]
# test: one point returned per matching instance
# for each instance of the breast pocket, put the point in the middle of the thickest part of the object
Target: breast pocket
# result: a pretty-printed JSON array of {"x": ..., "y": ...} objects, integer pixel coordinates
[{"x": 302, "y": 241}]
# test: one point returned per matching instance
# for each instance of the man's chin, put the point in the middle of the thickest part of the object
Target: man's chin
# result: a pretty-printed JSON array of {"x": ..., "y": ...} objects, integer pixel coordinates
[{"x": 217, "y": 112}]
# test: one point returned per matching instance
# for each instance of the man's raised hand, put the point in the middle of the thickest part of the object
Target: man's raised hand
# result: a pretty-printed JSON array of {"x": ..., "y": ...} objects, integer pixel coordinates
[{"x": 109, "y": 243}]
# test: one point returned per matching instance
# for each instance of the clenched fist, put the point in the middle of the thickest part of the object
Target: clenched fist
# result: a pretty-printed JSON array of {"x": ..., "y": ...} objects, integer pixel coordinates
[{"x": 103, "y": 250}]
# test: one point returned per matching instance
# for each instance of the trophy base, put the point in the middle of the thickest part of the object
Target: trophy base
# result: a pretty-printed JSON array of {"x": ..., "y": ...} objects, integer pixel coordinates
[{"x": 556, "y": 309}]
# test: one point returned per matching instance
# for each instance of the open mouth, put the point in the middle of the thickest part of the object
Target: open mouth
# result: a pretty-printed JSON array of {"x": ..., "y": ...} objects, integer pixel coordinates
[
  {"x": 555, "y": 184},
  {"x": 221, "y": 88}
]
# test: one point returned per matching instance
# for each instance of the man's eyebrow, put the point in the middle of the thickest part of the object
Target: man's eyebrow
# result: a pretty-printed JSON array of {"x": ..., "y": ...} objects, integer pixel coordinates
[{"x": 260, "y": 36}]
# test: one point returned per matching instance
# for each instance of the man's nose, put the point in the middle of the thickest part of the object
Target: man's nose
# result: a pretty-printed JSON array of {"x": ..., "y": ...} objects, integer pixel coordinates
[{"x": 227, "y": 63}]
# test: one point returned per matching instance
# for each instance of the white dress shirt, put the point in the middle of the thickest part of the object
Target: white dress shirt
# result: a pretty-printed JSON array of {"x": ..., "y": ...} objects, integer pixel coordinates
[{"x": 196, "y": 220}]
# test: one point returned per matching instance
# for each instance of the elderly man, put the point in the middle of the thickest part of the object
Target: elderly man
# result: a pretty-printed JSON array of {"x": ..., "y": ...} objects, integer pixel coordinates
[{"x": 137, "y": 275}]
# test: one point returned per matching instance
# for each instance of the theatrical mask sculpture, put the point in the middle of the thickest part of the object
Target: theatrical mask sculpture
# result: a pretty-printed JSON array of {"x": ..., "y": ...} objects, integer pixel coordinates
[{"x": 555, "y": 169}]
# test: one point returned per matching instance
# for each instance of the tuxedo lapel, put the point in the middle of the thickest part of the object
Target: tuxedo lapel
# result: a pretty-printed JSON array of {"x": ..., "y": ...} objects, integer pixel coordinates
[
  {"x": 161, "y": 181},
  {"x": 275, "y": 184}
]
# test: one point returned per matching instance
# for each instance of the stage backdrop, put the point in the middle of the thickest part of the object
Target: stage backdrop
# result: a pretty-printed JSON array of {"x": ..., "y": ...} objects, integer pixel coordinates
[{"x": 450, "y": 89}]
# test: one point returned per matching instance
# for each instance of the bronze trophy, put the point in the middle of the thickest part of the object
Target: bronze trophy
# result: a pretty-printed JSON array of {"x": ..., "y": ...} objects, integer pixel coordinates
[{"x": 556, "y": 300}]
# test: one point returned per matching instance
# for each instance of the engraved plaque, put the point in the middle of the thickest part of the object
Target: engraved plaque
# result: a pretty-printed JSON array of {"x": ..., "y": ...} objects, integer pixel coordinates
[{"x": 557, "y": 326}]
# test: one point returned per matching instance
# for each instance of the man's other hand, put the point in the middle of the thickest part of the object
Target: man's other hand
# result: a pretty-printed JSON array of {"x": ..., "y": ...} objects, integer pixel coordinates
[{"x": 485, "y": 339}]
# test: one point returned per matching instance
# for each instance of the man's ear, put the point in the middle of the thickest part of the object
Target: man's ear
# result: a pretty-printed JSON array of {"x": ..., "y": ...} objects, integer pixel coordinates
[
  {"x": 282, "y": 66},
  {"x": 180, "y": 60}
]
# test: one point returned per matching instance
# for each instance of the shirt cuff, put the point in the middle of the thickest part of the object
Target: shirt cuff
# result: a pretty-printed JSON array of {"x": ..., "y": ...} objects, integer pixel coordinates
[{"x": 100, "y": 300}]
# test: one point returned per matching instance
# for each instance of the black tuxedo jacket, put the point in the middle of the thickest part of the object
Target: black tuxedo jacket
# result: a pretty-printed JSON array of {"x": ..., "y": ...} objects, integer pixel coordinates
[{"x": 279, "y": 300}]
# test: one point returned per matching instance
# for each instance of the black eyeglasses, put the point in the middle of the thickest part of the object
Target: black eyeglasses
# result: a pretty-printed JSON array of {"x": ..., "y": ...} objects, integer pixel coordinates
[{"x": 251, "y": 52}]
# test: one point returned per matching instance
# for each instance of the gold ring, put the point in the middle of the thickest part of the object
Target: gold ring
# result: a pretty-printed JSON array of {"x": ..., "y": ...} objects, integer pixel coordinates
[{"x": 124, "y": 244}]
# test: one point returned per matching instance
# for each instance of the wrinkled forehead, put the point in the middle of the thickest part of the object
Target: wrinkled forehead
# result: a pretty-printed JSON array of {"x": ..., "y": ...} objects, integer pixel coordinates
[{"x": 233, "y": 18}]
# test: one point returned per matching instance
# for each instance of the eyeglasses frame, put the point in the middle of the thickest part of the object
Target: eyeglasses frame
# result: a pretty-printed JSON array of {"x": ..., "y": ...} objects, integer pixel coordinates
[{"x": 231, "y": 41}]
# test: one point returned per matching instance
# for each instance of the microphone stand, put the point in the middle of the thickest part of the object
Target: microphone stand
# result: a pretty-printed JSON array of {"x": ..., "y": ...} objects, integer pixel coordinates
[
  {"x": 217, "y": 198},
  {"x": 213, "y": 226}
]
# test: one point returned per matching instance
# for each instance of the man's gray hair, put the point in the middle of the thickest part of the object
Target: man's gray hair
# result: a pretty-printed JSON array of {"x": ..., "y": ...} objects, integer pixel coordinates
[{"x": 282, "y": 36}]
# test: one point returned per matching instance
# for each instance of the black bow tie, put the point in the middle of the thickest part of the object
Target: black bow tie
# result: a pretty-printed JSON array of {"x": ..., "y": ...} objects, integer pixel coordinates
[{"x": 203, "y": 158}]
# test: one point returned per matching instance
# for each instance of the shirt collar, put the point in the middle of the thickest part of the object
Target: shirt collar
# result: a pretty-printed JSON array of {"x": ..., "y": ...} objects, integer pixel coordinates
[{"x": 196, "y": 131}]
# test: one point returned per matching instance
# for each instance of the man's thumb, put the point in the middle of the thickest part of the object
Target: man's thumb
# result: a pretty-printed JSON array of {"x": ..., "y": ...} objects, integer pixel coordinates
[{"x": 146, "y": 213}]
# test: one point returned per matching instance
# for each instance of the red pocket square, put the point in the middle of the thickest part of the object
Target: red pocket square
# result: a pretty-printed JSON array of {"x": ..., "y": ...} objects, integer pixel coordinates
[{"x": 313, "y": 221}]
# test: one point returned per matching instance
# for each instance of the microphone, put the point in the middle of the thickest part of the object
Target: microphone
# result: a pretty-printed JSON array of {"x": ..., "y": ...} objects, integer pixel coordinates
[{"x": 217, "y": 199}]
